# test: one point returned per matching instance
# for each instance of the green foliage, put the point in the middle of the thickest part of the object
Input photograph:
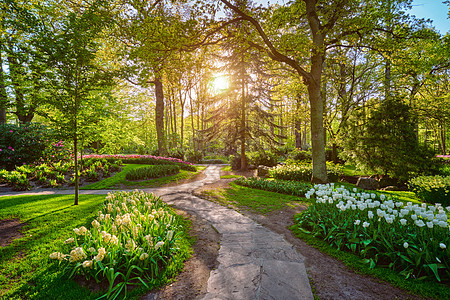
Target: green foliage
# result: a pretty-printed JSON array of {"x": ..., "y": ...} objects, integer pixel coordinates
[
  {"x": 410, "y": 239},
  {"x": 386, "y": 143},
  {"x": 141, "y": 248},
  {"x": 235, "y": 162},
  {"x": 18, "y": 180},
  {"x": 300, "y": 155},
  {"x": 432, "y": 189},
  {"x": 279, "y": 186},
  {"x": 193, "y": 156},
  {"x": 213, "y": 161},
  {"x": 22, "y": 144},
  {"x": 152, "y": 172},
  {"x": 303, "y": 172},
  {"x": 264, "y": 158}
]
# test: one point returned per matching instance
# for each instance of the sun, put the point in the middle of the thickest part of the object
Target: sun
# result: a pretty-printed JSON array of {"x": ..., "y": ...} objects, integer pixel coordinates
[{"x": 220, "y": 82}]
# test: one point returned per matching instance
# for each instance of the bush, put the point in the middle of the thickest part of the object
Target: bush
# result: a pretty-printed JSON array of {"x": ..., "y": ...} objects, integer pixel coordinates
[
  {"x": 145, "y": 159},
  {"x": 432, "y": 189},
  {"x": 152, "y": 172},
  {"x": 22, "y": 144},
  {"x": 135, "y": 240},
  {"x": 235, "y": 162},
  {"x": 213, "y": 161},
  {"x": 303, "y": 172},
  {"x": 278, "y": 186},
  {"x": 300, "y": 155},
  {"x": 260, "y": 158},
  {"x": 193, "y": 156}
]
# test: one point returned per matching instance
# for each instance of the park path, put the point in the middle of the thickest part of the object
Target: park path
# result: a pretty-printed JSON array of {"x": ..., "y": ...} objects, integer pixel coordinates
[{"x": 254, "y": 262}]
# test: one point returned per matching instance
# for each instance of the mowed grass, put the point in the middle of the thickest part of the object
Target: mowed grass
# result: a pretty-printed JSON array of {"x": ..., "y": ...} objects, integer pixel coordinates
[
  {"x": 26, "y": 272},
  {"x": 257, "y": 201},
  {"x": 119, "y": 181}
]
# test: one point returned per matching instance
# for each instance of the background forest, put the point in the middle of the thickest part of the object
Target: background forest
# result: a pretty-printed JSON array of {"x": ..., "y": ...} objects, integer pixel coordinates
[{"x": 360, "y": 81}]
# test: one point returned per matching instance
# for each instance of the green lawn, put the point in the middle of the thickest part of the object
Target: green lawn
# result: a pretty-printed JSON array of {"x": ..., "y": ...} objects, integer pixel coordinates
[
  {"x": 251, "y": 199},
  {"x": 26, "y": 272},
  {"x": 118, "y": 180},
  {"x": 350, "y": 170}
]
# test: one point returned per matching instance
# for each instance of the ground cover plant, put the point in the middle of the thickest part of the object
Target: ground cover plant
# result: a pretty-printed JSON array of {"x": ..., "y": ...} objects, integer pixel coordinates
[
  {"x": 135, "y": 239},
  {"x": 409, "y": 238},
  {"x": 57, "y": 173},
  {"x": 294, "y": 188}
]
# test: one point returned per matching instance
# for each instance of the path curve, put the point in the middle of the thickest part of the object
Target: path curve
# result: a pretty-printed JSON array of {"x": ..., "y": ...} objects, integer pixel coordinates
[{"x": 254, "y": 262}]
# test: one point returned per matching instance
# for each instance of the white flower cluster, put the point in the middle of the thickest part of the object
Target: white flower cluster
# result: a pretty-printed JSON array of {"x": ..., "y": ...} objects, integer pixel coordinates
[
  {"x": 384, "y": 209},
  {"x": 77, "y": 254}
]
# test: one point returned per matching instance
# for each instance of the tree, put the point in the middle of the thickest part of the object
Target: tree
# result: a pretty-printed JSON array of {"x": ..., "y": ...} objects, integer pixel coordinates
[
  {"x": 77, "y": 76},
  {"x": 385, "y": 143}
]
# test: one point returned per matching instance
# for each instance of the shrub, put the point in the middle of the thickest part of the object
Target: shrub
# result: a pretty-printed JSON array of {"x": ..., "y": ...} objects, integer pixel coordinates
[
  {"x": 410, "y": 239},
  {"x": 303, "y": 172},
  {"x": 432, "y": 189},
  {"x": 146, "y": 159},
  {"x": 213, "y": 161},
  {"x": 136, "y": 239},
  {"x": 279, "y": 186},
  {"x": 22, "y": 144},
  {"x": 152, "y": 172},
  {"x": 235, "y": 162},
  {"x": 193, "y": 156},
  {"x": 264, "y": 158},
  {"x": 300, "y": 155}
]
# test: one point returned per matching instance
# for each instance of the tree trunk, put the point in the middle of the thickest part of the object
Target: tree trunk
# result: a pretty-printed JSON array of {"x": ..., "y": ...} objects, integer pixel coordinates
[
  {"x": 298, "y": 134},
  {"x": 192, "y": 121},
  {"x": 159, "y": 116},
  {"x": 319, "y": 173},
  {"x": 334, "y": 153},
  {"x": 77, "y": 178},
  {"x": 3, "y": 94},
  {"x": 243, "y": 129}
]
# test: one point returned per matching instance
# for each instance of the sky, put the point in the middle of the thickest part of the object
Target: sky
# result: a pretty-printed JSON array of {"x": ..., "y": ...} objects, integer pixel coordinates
[
  {"x": 426, "y": 9},
  {"x": 434, "y": 10}
]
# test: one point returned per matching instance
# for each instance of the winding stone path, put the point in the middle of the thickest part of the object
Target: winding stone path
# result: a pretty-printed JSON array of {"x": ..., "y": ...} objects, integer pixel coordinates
[{"x": 254, "y": 262}]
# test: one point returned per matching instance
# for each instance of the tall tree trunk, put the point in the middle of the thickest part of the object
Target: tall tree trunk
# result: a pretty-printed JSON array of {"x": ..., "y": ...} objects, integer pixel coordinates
[
  {"x": 75, "y": 150},
  {"x": 159, "y": 116},
  {"x": 3, "y": 94},
  {"x": 243, "y": 128},
  {"x": 298, "y": 125},
  {"x": 191, "y": 105}
]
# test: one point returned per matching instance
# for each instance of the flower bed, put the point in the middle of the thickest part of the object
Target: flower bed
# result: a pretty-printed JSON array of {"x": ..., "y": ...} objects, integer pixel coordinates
[
  {"x": 279, "y": 186},
  {"x": 411, "y": 239},
  {"x": 303, "y": 172},
  {"x": 152, "y": 172},
  {"x": 145, "y": 159},
  {"x": 136, "y": 239}
]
